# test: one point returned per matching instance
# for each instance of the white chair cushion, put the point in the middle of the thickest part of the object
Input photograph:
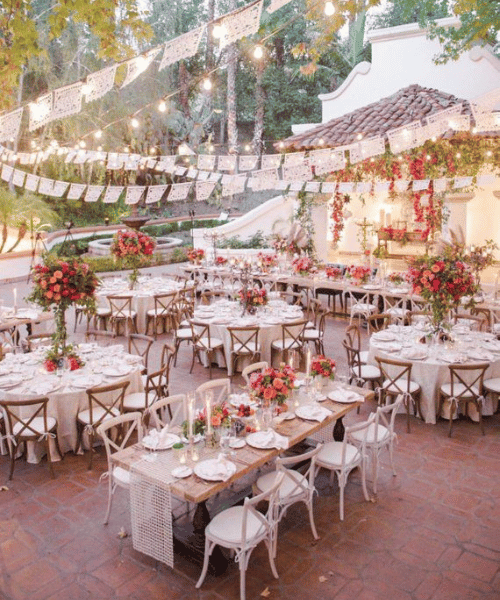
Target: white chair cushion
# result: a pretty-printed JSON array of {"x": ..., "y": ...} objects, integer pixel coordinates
[
  {"x": 289, "y": 344},
  {"x": 401, "y": 384},
  {"x": 135, "y": 401},
  {"x": 288, "y": 487},
  {"x": 362, "y": 307},
  {"x": 369, "y": 372},
  {"x": 185, "y": 334},
  {"x": 227, "y": 525},
  {"x": 330, "y": 455},
  {"x": 363, "y": 356},
  {"x": 459, "y": 389},
  {"x": 160, "y": 312},
  {"x": 214, "y": 342},
  {"x": 241, "y": 349},
  {"x": 124, "y": 314},
  {"x": 492, "y": 385},
  {"x": 121, "y": 476},
  {"x": 37, "y": 425},
  {"x": 101, "y": 312},
  {"x": 381, "y": 431},
  {"x": 97, "y": 413},
  {"x": 312, "y": 334}
]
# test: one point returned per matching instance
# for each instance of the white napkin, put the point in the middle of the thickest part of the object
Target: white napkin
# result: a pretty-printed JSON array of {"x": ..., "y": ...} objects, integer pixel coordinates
[
  {"x": 415, "y": 353},
  {"x": 313, "y": 411},
  {"x": 270, "y": 439},
  {"x": 220, "y": 468},
  {"x": 42, "y": 387},
  {"x": 345, "y": 396},
  {"x": 478, "y": 354},
  {"x": 390, "y": 347},
  {"x": 383, "y": 336},
  {"x": 160, "y": 439}
]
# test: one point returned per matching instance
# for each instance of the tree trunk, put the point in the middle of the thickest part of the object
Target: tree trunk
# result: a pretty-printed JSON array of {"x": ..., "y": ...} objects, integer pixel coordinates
[{"x": 260, "y": 97}]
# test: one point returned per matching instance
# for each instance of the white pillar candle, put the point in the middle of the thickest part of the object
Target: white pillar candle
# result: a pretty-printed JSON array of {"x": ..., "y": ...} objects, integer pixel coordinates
[
  {"x": 308, "y": 362},
  {"x": 208, "y": 410},
  {"x": 382, "y": 217},
  {"x": 190, "y": 413},
  {"x": 14, "y": 293},
  {"x": 388, "y": 219}
]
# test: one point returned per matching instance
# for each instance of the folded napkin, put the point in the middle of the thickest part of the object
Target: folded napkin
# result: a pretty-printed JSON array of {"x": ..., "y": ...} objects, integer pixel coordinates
[
  {"x": 270, "y": 439},
  {"x": 115, "y": 349},
  {"x": 218, "y": 320},
  {"x": 160, "y": 439},
  {"x": 389, "y": 346},
  {"x": 415, "y": 353},
  {"x": 216, "y": 468},
  {"x": 313, "y": 412},
  {"x": 42, "y": 387},
  {"x": 452, "y": 357},
  {"x": 345, "y": 396},
  {"x": 479, "y": 354},
  {"x": 493, "y": 345},
  {"x": 383, "y": 336}
]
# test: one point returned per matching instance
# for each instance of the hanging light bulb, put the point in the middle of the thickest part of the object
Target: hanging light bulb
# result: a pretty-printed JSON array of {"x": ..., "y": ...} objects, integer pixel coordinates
[
  {"x": 218, "y": 31},
  {"x": 329, "y": 9},
  {"x": 258, "y": 53},
  {"x": 162, "y": 106},
  {"x": 99, "y": 148},
  {"x": 98, "y": 134},
  {"x": 207, "y": 84},
  {"x": 86, "y": 89},
  {"x": 82, "y": 144},
  {"x": 134, "y": 122}
]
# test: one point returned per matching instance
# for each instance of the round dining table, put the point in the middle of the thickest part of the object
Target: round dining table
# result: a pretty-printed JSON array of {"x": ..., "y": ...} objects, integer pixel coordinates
[
  {"x": 23, "y": 376},
  {"x": 225, "y": 313},
  {"x": 430, "y": 361}
]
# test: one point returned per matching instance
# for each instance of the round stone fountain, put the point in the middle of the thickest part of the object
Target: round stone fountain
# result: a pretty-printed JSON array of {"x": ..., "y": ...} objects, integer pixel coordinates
[{"x": 163, "y": 246}]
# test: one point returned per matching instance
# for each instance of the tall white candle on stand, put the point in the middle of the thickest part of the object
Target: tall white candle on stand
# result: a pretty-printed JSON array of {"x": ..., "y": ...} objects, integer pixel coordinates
[
  {"x": 14, "y": 293},
  {"x": 208, "y": 410},
  {"x": 190, "y": 414},
  {"x": 382, "y": 217},
  {"x": 308, "y": 362}
]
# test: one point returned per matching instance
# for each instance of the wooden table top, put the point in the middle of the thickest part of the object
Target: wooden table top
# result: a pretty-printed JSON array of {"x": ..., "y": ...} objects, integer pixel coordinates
[{"x": 246, "y": 459}]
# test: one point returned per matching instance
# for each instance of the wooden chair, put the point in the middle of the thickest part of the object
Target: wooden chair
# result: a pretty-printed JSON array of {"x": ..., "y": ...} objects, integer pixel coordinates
[
  {"x": 204, "y": 342},
  {"x": 316, "y": 335},
  {"x": 155, "y": 389},
  {"x": 163, "y": 312},
  {"x": 140, "y": 345},
  {"x": 105, "y": 402},
  {"x": 473, "y": 322},
  {"x": 122, "y": 313},
  {"x": 244, "y": 344},
  {"x": 378, "y": 322},
  {"x": 396, "y": 375},
  {"x": 103, "y": 338},
  {"x": 360, "y": 373},
  {"x": 21, "y": 427},
  {"x": 292, "y": 340},
  {"x": 353, "y": 338},
  {"x": 38, "y": 340},
  {"x": 465, "y": 387}
]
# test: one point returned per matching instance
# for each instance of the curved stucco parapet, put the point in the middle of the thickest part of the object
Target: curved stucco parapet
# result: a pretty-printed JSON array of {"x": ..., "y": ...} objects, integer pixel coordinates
[
  {"x": 484, "y": 53},
  {"x": 262, "y": 218},
  {"x": 362, "y": 68}
]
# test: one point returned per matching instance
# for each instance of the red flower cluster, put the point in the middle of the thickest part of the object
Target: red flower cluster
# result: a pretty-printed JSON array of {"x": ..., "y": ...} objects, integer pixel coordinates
[
  {"x": 132, "y": 243},
  {"x": 267, "y": 260},
  {"x": 195, "y": 254},
  {"x": 220, "y": 260},
  {"x": 398, "y": 235},
  {"x": 219, "y": 415},
  {"x": 303, "y": 265},
  {"x": 398, "y": 277},
  {"x": 253, "y": 297},
  {"x": 321, "y": 365},
  {"x": 358, "y": 273},
  {"x": 273, "y": 385},
  {"x": 333, "y": 272},
  {"x": 74, "y": 363}
]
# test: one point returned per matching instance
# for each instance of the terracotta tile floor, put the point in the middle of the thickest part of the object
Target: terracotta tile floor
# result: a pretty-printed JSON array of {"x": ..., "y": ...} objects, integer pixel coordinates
[{"x": 432, "y": 533}]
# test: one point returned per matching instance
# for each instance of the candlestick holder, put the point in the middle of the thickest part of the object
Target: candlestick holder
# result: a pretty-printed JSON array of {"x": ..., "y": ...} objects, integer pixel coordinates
[
  {"x": 193, "y": 451},
  {"x": 210, "y": 440}
]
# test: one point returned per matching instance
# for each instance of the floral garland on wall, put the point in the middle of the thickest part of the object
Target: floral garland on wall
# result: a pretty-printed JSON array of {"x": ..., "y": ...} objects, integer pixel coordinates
[{"x": 462, "y": 156}]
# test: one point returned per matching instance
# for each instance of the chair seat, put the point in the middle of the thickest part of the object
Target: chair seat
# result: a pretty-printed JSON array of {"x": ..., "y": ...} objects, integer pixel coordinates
[
  {"x": 286, "y": 344},
  {"x": 492, "y": 385},
  {"x": 102, "y": 311},
  {"x": 124, "y": 314},
  {"x": 214, "y": 343},
  {"x": 288, "y": 487},
  {"x": 37, "y": 424},
  {"x": 312, "y": 334},
  {"x": 392, "y": 388},
  {"x": 135, "y": 401},
  {"x": 160, "y": 312},
  {"x": 459, "y": 389},
  {"x": 97, "y": 414},
  {"x": 330, "y": 455},
  {"x": 381, "y": 431},
  {"x": 397, "y": 311},
  {"x": 369, "y": 372},
  {"x": 121, "y": 476},
  {"x": 363, "y": 307},
  {"x": 242, "y": 349},
  {"x": 227, "y": 526},
  {"x": 184, "y": 334}
]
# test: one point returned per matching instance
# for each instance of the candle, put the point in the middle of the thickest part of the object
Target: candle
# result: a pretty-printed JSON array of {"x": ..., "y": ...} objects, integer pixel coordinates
[
  {"x": 388, "y": 219},
  {"x": 290, "y": 361},
  {"x": 308, "y": 362},
  {"x": 208, "y": 410},
  {"x": 14, "y": 292},
  {"x": 382, "y": 217},
  {"x": 190, "y": 413}
]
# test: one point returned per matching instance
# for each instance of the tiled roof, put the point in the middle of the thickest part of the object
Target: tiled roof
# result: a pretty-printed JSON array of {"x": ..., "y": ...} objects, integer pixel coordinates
[{"x": 405, "y": 106}]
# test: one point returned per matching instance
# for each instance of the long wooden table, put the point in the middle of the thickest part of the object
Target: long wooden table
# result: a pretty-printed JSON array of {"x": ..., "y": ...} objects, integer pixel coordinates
[{"x": 246, "y": 459}]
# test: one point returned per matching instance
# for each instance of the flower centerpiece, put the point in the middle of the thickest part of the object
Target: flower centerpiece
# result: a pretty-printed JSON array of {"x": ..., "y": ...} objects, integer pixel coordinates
[
  {"x": 334, "y": 273},
  {"x": 267, "y": 261},
  {"x": 480, "y": 257},
  {"x": 220, "y": 261},
  {"x": 397, "y": 278},
  {"x": 273, "y": 385},
  {"x": 358, "y": 274},
  {"x": 443, "y": 280},
  {"x": 252, "y": 298},
  {"x": 220, "y": 417},
  {"x": 394, "y": 234},
  {"x": 52, "y": 358},
  {"x": 133, "y": 249},
  {"x": 57, "y": 285},
  {"x": 321, "y": 366},
  {"x": 303, "y": 265},
  {"x": 195, "y": 255}
]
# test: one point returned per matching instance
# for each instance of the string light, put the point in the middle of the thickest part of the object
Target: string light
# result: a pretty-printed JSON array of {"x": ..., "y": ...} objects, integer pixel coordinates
[
  {"x": 321, "y": 141},
  {"x": 247, "y": 148},
  {"x": 329, "y": 9},
  {"x": 489, "y": 153},
  {"x": 99, "y": 148},
  {"x": 258, "y": 52},
  {"x": 162, "y": 106},
  {"x": 219, "y": 31},
  {"x": 86, "y": 89},
  {"x": 458, "y": 155},
  {"x": 82, "y": 144},
  {"x": 428, "y": 157},
  {"x": 359, "y": 136},
  {"x": 98, "y": 134},
  {"x": 134, "y": 122},
  {"x": 207, "y": 84}
]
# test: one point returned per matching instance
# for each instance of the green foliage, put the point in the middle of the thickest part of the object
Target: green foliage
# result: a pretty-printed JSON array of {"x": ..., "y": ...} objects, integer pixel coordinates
[{"x": 235, "y": 243}]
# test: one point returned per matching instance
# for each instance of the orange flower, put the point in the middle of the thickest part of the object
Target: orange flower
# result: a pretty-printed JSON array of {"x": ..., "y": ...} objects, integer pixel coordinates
[
  {"x": 278, "y": 384},
  {"x": 269, "y": 394},
  {"x": 58, "y": 274}
]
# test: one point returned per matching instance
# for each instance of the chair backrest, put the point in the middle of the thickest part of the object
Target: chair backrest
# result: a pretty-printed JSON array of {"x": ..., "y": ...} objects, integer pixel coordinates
[
  {"x": 38, "y": 340},
  {"x": 378, "y": 322},
  {"x": 168, "y": 412},
  {"x": 15, "y": 414},
  {"x": 270, "y": 519},
  {"x": 302, "y": 486},
  {"x": 249, "y": 369},
  {"x": 164, "y": 302},
  {"x": 107, "y": 397},
  {"x": 414, "y": 316},
  {"x": 201, "y": 334},
  {"x": 386, "y": 416},
  {"x": 364, "y": 427},
  {"x": 468, "y": 376},
  {"x": 353, "y": 336},
  {"x": 127, "y": 425},
  {"x": 120, "y": 306},
  {"x": 167, "y": 355},
  {"x": 397, "y": 373},
  {"x": 104, "y": 338},
  {"x": 474, "y": 322},
  {"x": 140, "y": 344},
  {"x": 294, "y": 331},
  {"x": 246, "y": 338},
  {"x": 221, "y": 389},
  {"x": 353, "y": 360}
]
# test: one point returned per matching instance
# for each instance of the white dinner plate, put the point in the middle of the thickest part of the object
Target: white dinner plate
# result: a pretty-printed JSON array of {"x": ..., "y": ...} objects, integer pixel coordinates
[
  {"x": 181, "y": 472},
  {"x": 237, "y": 443},
  {"x": 257, "y": 440},
  {"x": 310, "y": 412},
  {"x": 171, "y": 438},
  {"x": 384, "y": 336},
  {"x": 370, "y": 286},
  {"x": 9, "y": 381},
  {"x": 117, "y": 371},
  {"x": 215, "y": 470},
  {"x": 414, "y": 354},
  {"x": 344, "y": 396},
  {"x": 287, "y": 416},
  {"x": 85, "y": 381}
]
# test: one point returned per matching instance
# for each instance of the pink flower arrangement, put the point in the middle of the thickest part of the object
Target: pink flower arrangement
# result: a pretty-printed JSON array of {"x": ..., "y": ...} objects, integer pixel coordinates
[
  {"x": 323, "y": 366},
  {"x": 358, "y": 273},
  {"x": 220, "y": 260},
  {"x": 303, "y": 265},
  {"x": 253, "y": 297},
  {"x": 333, "y": 273},
  {"x": 195, "y": 254},
  {"x": 398, "y": 277},
  {"x": 273, "y": 385},
  {"x": 267, "y": 260},
  {"x": 132, "y": 243}
]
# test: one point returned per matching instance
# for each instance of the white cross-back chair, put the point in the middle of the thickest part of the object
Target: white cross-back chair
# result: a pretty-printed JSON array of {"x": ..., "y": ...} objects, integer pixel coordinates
[
  {"x": 253, "y": 368},
  {"x": 242, "y": 528},
  {"x": 220, "y": 388},
  {"x": 167, "y": 412}
]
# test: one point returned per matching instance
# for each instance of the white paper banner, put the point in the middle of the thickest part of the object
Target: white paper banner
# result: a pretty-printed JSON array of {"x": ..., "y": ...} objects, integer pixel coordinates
[
  {"x": 93, "y": 193},
  {"x": 46, "y": 186},
  {"x": 166, "y": 164},
  {"x": 136, "y": 66},
  {"x": 486, "y": 102},
  {"x": 180, "y": 171},
  {"x": 214, "y": 177},
  {"x": 59, "y": 188},
  {"x": 227, "y": 163},
  {"x": 10, "y": 124},
  {"x": 382, "y": 186},
  {"x": 203, "y": 175},
  {"x": 80, "y": 158},
  {"x": 487, "y": 122},
  {"x": 270, "y": 161},
  {"x": 155, "y": 193},
  {"x": 18, "y": 178},
  {"x": 419, "y": 185},
  {"x": 297, "y": 173},
  {"x": 31, "y": 182},
  {"x": 204, "y": 190},
  {"x": 276, "y": 4},
  {"x": 282, "y": 185},
  {"x": 363, "y": 187},
  {"x": 406, "y": 137},
  {"x": 70, "y": 156},
  {"x": 486, "y": 179},
  {"x": 263, "y": 180},
  {"x": 75, "y": 191},
  {"x": 461, "y": 182},
  {"x": 248, "y": 163},
  {"x": 184, "y": 46},
  {"x": 24, "y": 158},
  {"x": 329, "y": 187},
  {"x": 401, "y": 185},
  {"x": 134, "y": 193},
  {"x": 438, "y": 122},
  {"x": 179, "y": 191},
  {"x": 7, "y": 172},
  {"x": 192, "y": 173},
  {"x": 440, "y": 185},
  {"x": 313, "y": 187},
  {"x": 67, "y": 101},
  {"x": 294, "y": 158},
  {"x": 112, "y": 194},
  {"x": 132, "y": 162},
  {"x": 40, "y": 111},
  {"x": 206, "y": 162},
  {"x": 346, "y": 187},
  {"x": 100, "y": 83},
  {"x": 355, "y": 154},
  {"x": 240, "y": 23},
  {"x": 459, "y": 123},
  {"x": 296, "y": 186},
  {"x": 372, "y": 147}
]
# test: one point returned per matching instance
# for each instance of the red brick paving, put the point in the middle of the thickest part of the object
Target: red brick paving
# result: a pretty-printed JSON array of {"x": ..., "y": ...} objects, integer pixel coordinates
[{"x": 432, "y": 534}]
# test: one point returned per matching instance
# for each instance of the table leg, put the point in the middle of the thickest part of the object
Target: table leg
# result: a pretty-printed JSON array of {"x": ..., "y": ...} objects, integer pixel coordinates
[{"x": 339, "y": 430}]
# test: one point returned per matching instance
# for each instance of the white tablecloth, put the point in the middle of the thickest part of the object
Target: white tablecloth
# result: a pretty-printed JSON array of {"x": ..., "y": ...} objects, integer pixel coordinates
[{"x": 432, "y": 372}]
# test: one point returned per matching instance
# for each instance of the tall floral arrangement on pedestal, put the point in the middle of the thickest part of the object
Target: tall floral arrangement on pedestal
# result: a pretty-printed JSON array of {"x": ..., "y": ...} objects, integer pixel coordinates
[
  {"x": 58, "y": 285},
  {"x": 443, "y": 280},
  {"x": 133, "y": 249}
]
